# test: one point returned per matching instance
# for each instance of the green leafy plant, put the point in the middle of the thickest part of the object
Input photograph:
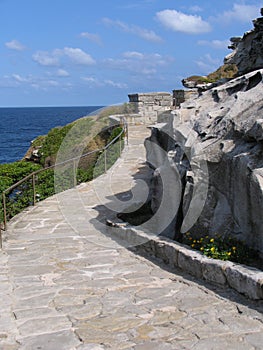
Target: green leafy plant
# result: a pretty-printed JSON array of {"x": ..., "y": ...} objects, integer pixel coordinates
[
  {"x": 20, "y": 197},
  {"x": 221, "y": 248}
]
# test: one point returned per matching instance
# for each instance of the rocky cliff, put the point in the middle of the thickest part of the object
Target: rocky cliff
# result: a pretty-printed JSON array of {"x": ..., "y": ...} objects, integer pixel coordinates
[
  {"x": 214, "y": 143},
  {"x": 247, "y": 52}
]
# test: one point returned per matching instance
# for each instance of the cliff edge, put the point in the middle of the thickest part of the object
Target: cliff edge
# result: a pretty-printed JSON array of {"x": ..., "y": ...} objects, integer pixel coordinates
[{"x": 247, "y": 52}]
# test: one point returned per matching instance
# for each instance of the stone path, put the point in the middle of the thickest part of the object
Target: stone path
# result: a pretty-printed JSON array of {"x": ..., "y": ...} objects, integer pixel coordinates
[{"x": 64, "y": 284}]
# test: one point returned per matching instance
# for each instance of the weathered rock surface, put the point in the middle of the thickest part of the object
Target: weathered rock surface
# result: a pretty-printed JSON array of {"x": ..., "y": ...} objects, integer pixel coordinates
[
  {"x": 248, "y": 50},
  {"x": 217, "y": 143},
  {"x": 202, "y": 86}
]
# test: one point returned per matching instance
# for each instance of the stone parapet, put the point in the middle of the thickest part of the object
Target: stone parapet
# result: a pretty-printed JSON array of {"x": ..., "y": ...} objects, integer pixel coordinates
[
  {"x": 148, "y": 105},
  {"x": 244, "y": 279},
  {"x": 130, "y": 119}
]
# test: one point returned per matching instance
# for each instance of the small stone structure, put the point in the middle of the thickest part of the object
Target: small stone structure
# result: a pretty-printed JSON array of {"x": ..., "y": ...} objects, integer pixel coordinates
[
  {"x": 149, "y": 105},
  {"x": 180, "y": 96}
]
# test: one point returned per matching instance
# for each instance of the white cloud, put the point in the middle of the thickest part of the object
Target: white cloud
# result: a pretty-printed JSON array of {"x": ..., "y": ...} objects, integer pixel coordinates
[
  {"x": 138, "y": 63},
  {"x": 195, "y": 8},
  {"x": 90, "y": 79},
  {"x": 92, "y": 82},
  {"x": 78, "y": 56},
  {"x": 51, "y": 83},
  {"x": 133, "y": 54},
  {"x": 207, "y": 64},
  {"x": 215, "y": 44},
  {"x": 102, "y": 83},
  {"x": 115, "y": 84},
  {"x": 143, "y": 33},
  {"x": 181, "y": 22},
  {"x": 62, "y": 73},
  {"x": 32, "y": 81},
  {"x": 141, "y": 4},
  {"x": 242, "y": 13},
  {"x": 38, "y": 83},
  {"x": 19, "y": 79},
  {"x": 6, "y": 82},
  {"x": 92, "y": 37},
  {"x": 44, "y": 84},
  {"x": 44, "y": 58},
  {"x": 15, "y": 45}
]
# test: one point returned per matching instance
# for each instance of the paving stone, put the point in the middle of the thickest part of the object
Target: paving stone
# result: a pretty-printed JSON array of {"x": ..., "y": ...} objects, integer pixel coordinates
[
  {"x": 90, "y": 347},
  {"x": 154, "y": 346},
  {"x": 226, "y": 341},
  {"x": 9, "y": 346},
  {"x": 63, "y": 340},
  {"x": 41, "y": 300},
  {"x": 255, "y": 339},
  {"x": 43, "y": 325},
  {"x": 41, "y": 312}
]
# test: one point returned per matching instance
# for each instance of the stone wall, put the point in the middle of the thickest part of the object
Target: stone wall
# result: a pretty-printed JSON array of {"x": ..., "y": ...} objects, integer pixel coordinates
[{"x": 148, "y": 105}]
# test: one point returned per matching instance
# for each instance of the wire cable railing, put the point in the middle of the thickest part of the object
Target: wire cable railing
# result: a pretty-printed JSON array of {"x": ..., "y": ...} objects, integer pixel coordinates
[{"x": 32, "y": 177}]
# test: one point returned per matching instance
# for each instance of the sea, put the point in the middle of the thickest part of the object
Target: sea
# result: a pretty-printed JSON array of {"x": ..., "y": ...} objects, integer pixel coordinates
[{"x": 21, "y": 125}]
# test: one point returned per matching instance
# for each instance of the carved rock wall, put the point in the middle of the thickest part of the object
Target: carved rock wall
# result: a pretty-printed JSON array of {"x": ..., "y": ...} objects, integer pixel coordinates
[{"x": 216, "y": 139}]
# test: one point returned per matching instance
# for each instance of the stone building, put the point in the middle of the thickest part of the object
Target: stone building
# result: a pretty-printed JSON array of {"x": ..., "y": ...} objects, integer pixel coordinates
[
  {"x": 180, "y": 96},
  {"x": 149, "y": 105}
]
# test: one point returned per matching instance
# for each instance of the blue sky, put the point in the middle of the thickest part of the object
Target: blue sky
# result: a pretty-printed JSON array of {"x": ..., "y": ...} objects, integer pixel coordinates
[{"x": 81, "y": 52}]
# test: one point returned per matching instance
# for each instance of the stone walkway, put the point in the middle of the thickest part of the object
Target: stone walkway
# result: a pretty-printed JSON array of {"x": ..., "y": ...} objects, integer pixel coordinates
[{"x": 64, "y": 284}]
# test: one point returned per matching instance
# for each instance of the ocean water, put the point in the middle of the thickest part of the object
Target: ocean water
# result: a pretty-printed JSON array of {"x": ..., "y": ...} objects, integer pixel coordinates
[{"x": 19, "y": 126}]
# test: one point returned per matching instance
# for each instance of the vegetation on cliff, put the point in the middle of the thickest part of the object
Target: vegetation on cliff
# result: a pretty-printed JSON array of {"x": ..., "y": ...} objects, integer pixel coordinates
[
  {"x": 45, "y": 147},
  {"x": 43, "y": 153},
  {"x": 226, "y": 71}
]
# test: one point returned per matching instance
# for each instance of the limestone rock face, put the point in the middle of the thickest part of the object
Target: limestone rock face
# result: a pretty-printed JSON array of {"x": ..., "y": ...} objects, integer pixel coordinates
[
  {"x": 216, "y": 143},
  {"x": 248, "y": 50}
]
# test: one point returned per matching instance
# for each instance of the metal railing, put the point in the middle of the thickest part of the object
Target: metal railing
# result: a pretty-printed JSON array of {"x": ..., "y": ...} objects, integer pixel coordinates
[{"x": 32, "y": 176}]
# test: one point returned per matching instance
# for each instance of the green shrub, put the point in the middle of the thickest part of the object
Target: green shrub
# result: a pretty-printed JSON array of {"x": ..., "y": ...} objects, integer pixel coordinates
[
  {"x": 22, "y": 196},
  {"x": 88, "y": 167},
  {"x": 220, "y": 248}
]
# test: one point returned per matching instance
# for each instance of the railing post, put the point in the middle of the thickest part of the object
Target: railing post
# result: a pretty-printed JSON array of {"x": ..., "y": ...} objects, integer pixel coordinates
[
  {"x": 127, "y": 133},
  {"x": 105, "y": 160},
  {"x": 74, "y": 173},
  {"x": 34, "y": 188},
  {"x": 1, "y": 240},
  {"x": 4, "y": 211},
  {"x": 120, "y": 144}
]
